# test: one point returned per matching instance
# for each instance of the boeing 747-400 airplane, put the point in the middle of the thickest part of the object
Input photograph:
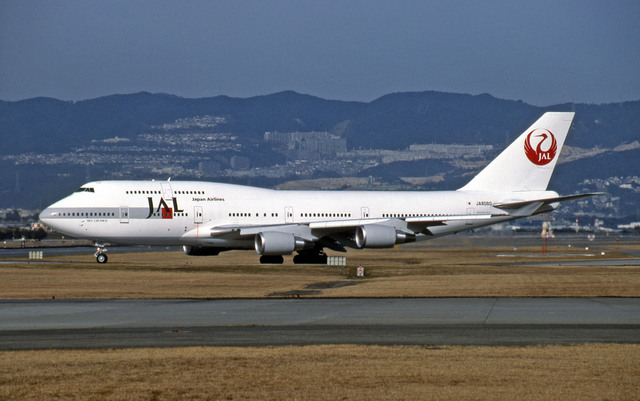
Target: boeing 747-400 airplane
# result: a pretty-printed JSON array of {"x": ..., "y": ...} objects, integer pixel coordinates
[{"x": 208, "y": 218}]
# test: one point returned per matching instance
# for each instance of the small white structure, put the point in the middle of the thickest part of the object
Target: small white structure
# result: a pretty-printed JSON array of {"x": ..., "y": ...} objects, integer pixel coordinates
[
  {"x": 336, "y": 261},
  {"x": 35, "y": 254}
]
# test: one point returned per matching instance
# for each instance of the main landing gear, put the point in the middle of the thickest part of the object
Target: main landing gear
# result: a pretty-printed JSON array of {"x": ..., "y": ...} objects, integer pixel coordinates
[
  {"x": 313, "y": 256},
  {"x": 271, "y": 259},
  {"x": 101, "y": 253}
]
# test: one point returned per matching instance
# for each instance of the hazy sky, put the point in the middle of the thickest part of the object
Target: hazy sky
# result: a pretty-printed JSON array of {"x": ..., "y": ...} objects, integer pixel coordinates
[{"x": 542, "y": 52}]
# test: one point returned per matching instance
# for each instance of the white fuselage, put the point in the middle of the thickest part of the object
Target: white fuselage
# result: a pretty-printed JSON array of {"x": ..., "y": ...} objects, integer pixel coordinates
[{"x": 188, "y": 212}]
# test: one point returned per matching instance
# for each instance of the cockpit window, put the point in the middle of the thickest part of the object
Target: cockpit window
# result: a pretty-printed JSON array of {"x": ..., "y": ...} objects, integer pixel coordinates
[{"x": 85, "y": 189}]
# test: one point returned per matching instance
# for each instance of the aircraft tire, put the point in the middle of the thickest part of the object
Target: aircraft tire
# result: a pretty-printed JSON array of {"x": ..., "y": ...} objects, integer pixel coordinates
[
  {"x": 271, "y": 259},
  {"x": 102, "y": 258},
  {"x": 310, "y": 260}
]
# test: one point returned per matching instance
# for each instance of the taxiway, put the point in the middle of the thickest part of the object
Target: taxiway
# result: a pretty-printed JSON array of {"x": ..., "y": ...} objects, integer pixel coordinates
[{"x": 29, "y": 324}]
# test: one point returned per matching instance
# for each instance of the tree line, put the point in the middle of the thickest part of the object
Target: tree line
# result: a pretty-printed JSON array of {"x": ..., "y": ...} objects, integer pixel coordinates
[{"x": 18, "y": 233}]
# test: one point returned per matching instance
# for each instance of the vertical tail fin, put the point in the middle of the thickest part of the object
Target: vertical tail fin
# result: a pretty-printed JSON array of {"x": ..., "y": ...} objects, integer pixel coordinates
[{"x": 527, "y": 164}]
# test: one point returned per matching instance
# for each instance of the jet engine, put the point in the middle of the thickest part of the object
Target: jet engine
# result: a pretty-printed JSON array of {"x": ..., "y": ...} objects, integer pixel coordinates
[
  {"x": 380, "y": 236},
  {"x": 278, "y": 243}
]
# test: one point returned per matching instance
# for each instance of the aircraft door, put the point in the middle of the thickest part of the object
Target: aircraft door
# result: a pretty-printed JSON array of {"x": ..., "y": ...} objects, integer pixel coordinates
[
  {"x": 470, "y": 211},
  {"x": 124, "y": 214},
  {"x": 364, "y": 213},
  {"x": 197, "y": 214},
  {"x": 167, "y": 193},
  {"x": 288, "y": 214}
]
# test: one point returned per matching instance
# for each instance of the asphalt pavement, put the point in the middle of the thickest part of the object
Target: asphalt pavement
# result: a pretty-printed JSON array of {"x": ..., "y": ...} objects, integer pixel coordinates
[{"x": 43, "y": 324}]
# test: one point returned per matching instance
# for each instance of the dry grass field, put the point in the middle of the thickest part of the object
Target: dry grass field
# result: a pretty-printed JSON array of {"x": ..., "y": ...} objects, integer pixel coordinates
[
  {"x": 466, "y": 268},
  {"x": 462, "y": 267},
  {"x": 580, "y": 372}
]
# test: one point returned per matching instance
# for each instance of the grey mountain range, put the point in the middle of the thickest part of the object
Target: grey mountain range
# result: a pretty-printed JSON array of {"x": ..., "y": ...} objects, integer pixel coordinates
[{"x": 603, "y": 142}]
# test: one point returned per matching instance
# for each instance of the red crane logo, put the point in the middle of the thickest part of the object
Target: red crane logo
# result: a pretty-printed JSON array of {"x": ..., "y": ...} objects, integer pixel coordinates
[{"x": 538, "y": 156}]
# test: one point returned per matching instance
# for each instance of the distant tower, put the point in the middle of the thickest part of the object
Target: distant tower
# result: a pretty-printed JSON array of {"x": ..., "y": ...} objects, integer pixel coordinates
[{"x": 17, "y": 189}]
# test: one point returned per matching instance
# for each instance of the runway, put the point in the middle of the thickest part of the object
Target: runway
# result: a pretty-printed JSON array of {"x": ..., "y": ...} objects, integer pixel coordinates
[{"x": 68, "y": 324}]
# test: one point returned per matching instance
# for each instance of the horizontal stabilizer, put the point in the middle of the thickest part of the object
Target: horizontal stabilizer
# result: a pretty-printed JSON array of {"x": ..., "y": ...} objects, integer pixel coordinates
[{"x": 545, "y": 201}]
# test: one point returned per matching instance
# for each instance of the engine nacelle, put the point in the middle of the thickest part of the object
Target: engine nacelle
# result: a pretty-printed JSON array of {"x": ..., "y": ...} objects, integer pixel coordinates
[
  {"x": 200, "y": 250},
  {"x": 380, "y": 236},
  {"x": 277, "y": 243}
]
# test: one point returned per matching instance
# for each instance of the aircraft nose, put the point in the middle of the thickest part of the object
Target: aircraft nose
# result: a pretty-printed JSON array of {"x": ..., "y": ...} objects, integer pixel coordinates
[{"x": 46, "y": 215}]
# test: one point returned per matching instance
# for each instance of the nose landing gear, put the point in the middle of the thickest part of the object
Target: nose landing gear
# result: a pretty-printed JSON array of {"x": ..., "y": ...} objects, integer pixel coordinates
[{"x": 101, "y": 253}]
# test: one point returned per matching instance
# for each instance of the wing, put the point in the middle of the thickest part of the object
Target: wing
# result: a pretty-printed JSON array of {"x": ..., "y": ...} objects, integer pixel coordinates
[{"x": 336, "y": 234}]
